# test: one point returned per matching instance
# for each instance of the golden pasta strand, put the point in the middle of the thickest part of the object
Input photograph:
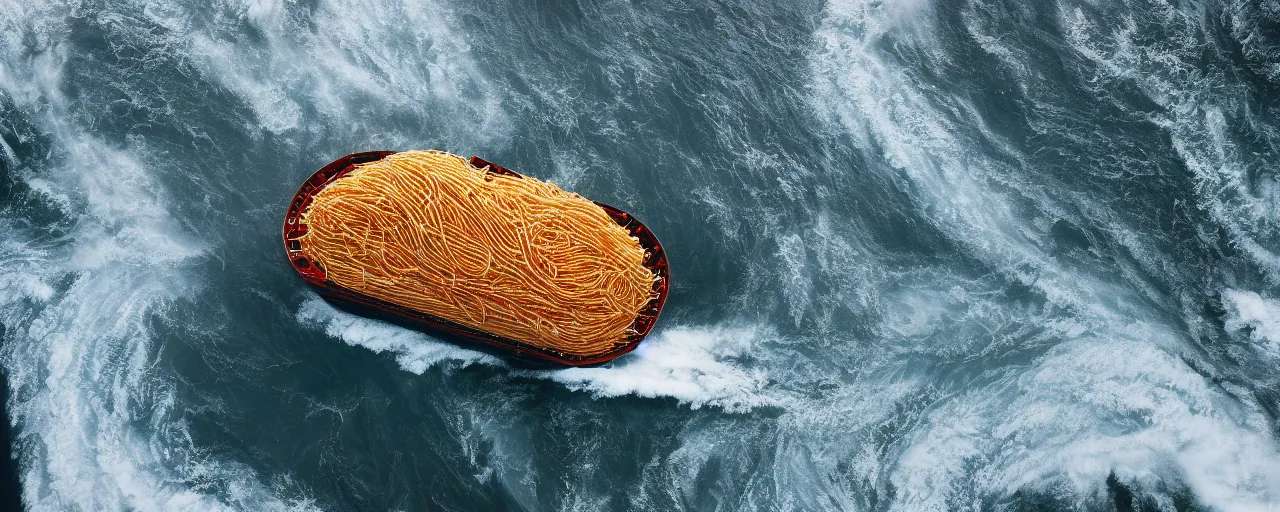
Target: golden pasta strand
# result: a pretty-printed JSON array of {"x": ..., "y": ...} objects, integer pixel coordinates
[{"x": 515, "y": 257}]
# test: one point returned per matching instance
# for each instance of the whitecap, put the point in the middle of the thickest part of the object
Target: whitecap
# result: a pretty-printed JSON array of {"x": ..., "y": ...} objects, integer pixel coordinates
[{"x": 1258, "y": 316}]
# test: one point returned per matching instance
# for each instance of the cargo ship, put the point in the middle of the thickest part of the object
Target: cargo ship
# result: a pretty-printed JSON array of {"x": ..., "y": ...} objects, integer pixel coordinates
[{"x": 524, "y": 351}]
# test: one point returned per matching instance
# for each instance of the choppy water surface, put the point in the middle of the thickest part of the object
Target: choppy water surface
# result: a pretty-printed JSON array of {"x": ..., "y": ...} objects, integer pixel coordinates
[{"x": 927, "y": 255}]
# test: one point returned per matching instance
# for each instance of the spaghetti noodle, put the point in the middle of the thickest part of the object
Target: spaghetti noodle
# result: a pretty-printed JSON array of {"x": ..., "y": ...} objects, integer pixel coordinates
[{"x": 512, "y": 256}]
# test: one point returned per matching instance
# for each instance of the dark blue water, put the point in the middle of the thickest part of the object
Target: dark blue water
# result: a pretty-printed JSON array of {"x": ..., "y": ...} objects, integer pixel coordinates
[{"x": 926, "y": 255}]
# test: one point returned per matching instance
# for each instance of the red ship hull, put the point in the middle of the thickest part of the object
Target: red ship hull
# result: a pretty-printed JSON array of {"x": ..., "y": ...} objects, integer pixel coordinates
[{"x": 655, "y": 260}]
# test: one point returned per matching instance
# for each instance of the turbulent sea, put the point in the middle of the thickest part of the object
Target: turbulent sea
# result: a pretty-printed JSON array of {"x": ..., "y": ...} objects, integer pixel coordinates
[{"x": 927, "y": 254}]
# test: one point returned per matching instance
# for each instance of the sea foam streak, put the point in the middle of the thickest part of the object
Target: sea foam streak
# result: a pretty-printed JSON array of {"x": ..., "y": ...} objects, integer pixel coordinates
[
  {"x": 358, "y": 74},
  {"x": 415, "y": 351},
  {"x": 694, "y": 366}
]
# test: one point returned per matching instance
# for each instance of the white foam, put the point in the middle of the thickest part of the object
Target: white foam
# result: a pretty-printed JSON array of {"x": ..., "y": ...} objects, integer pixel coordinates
[
  {"x": 694, "y": 366},
  {"x": 10, "y": 158},
  {"x": 697, "y": 367},
  {"x": 21, "y": 280},
  {"x": 1258, "y": 314},
  {"x": 797, "y": 285},
  {"x": 414, "y": 351}
]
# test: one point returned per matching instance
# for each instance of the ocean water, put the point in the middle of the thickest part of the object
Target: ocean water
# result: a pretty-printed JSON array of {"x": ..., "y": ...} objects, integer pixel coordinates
[{"x": 927, "y": 255}]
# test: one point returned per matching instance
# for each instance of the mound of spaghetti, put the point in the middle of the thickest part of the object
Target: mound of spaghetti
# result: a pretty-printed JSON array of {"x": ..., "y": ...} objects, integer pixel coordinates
[{"x": 510, "y": 256}]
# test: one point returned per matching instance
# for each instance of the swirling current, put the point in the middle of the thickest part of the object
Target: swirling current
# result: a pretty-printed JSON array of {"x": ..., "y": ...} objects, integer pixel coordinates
[{"x": 926, "y": 255}]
